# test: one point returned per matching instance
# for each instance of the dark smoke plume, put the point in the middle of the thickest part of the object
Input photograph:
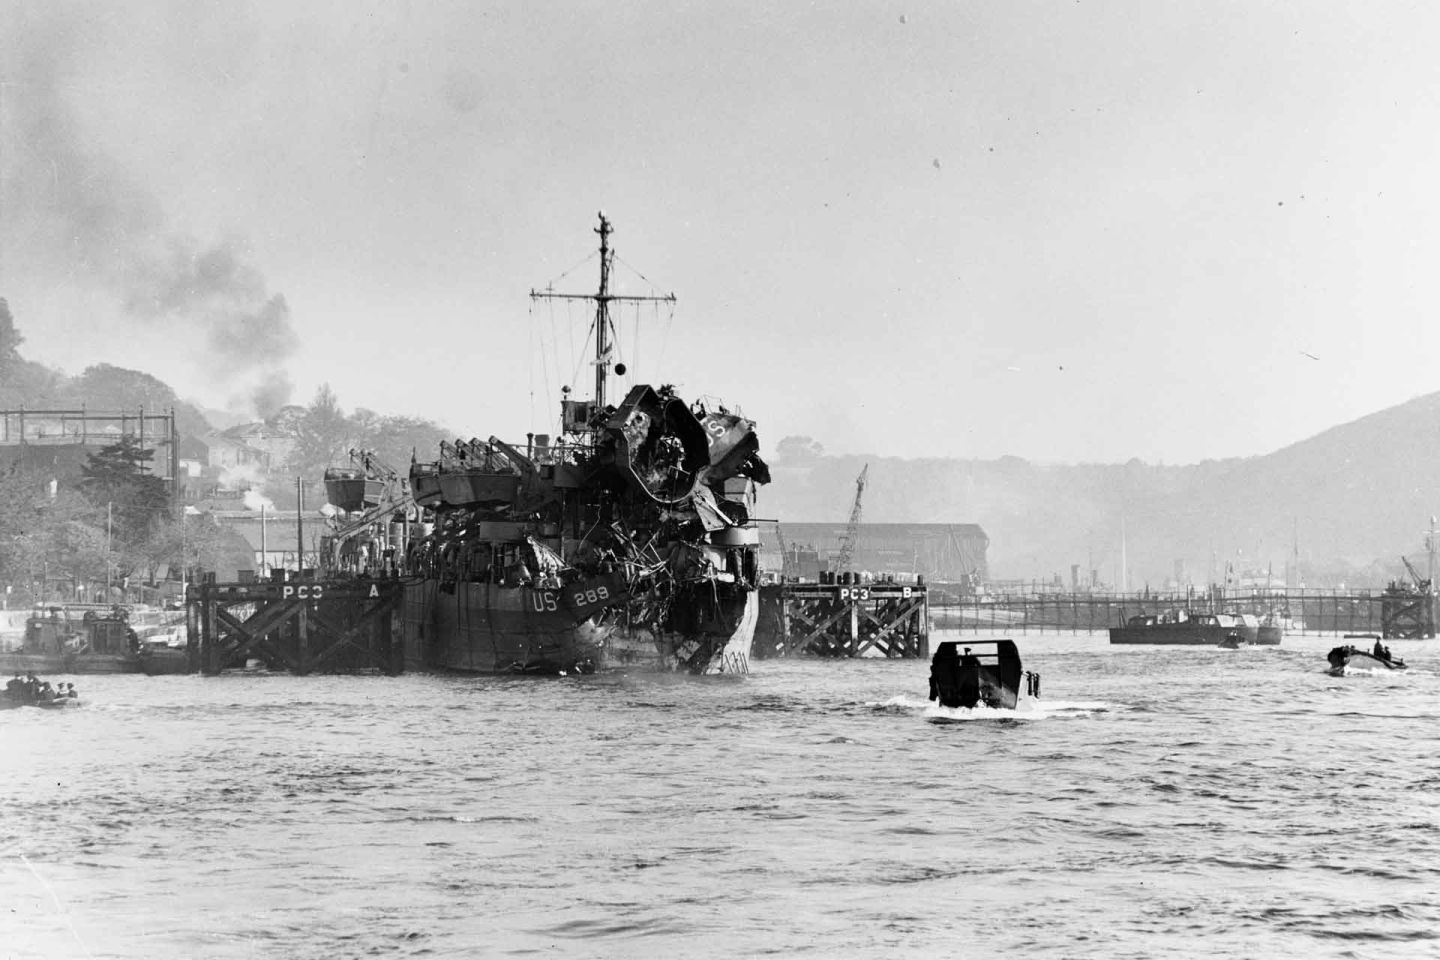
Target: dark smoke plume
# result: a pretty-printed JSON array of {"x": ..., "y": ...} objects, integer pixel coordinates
[
  {"x": 273, "y": 392},
  {"x": 75, "y": 212}
]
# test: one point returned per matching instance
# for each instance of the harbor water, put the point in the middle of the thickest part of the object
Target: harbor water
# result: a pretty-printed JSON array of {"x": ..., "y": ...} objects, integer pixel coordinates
[{"x": 1164, "y": 801}]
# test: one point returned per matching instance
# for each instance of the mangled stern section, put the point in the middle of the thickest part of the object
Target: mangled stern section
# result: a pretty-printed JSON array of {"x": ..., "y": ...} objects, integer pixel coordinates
[{"x": 686, "y": 531}]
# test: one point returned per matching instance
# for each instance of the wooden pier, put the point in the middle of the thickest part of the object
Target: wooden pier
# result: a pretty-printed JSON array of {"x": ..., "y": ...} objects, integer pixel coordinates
[
  {"x": 844, "y": 620},
  {"x": 1392, "y": 614},
  {"x": 303, "y": 626},
  {"x": 1407, "y": 614}
]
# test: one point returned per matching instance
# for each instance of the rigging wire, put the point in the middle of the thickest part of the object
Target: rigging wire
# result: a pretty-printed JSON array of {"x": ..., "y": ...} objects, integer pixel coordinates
[
  {"x": 653, "y": 285},
  {"x": 530, "y": 325},
  {"x": 665, "y": 297},
  {"x": 546, "y": 361},
  {"x": 550, "y": 286},
  {"x": 554, "y": 357},
  {"x": 665, "y": 333},
  {"x": 635, "y": 339},
  {"x": 580, "y": 357}
]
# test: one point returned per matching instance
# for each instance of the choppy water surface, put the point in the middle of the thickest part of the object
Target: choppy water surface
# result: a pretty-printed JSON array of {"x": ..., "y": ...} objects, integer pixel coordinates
[{"x": 1165, "y": 802}]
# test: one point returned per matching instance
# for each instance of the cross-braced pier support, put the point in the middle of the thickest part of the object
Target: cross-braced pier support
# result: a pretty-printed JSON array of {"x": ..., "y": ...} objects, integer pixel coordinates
[
  {"x": 845, "y": 620},
  {"x": 300, "y": 626},
  {"x": 1407, "y": 615}
]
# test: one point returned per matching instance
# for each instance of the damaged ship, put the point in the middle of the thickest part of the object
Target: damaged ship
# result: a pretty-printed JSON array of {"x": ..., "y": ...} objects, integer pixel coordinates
[{"x": 627, "y": 538}]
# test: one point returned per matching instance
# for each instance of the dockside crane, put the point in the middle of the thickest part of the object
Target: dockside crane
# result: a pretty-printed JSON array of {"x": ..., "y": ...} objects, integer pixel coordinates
[
  {"x": 852, "y": 529},
  {"x": 1422, "y": 584}
]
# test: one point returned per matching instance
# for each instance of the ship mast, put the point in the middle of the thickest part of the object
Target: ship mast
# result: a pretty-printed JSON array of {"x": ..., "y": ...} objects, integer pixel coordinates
[
  {"x": 603, "y": 298},
  {"x": 602, "y": 313}
]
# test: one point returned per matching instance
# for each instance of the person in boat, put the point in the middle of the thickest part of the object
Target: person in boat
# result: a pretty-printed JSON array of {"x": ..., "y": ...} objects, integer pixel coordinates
[
  {"x": 969, "y": 677},
  {"x": 1382, "y": 652},
  {"x": 15, "y": 689}
]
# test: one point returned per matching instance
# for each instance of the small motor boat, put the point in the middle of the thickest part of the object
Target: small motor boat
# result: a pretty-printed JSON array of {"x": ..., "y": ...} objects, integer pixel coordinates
[
  {"x": 59, "y": 703},
  {"x": 993, "y": 677},
  {"x": 1342, "y": 657}
]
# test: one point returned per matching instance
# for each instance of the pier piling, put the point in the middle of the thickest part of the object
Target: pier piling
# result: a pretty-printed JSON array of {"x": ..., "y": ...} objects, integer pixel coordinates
[
  {"x": 844, "y": 620},
  {"x": 304, "y": 627}
]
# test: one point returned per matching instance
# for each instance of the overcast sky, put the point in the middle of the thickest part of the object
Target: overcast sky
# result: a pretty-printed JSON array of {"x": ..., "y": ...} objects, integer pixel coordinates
[{"x": 1067, "y": 231}]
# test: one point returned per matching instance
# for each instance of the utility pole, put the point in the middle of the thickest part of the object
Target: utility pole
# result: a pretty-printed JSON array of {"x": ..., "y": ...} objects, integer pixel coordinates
[
  {"x": 109, "y": 530},
  {"x": 299, "y": 528},
  {"x": 184, "y": 571}
]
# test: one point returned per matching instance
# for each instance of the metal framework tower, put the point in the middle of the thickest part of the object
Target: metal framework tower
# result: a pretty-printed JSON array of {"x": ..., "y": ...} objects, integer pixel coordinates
[{"x": 852, "y": 529}]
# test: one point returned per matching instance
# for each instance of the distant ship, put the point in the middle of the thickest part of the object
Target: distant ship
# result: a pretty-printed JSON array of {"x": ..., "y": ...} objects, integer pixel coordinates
[
  {"x": 1181, "y": 626},
  {"x": 630, "y": 539}
]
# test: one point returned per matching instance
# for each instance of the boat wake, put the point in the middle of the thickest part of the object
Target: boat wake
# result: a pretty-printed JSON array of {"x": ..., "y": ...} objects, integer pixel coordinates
[
  {"x": 1400, "y": 676},
  {"x": 1029, "y": 710}
]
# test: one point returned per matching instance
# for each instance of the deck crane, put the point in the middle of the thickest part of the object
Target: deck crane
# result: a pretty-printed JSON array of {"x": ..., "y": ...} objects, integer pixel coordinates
[
  {"x": 852, "y": 529},
  {"x": 339, "y": 552}
]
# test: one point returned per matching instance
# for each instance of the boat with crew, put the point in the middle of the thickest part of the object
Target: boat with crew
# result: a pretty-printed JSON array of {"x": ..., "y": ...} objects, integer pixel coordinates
[
  {"x": 1196, "y": 628},
  {"x": 981, "y": 673},
  {"x": 627, "y": 538},
  {"x": 31, "y": 691},
  {"x": 1348, "y": 657}
]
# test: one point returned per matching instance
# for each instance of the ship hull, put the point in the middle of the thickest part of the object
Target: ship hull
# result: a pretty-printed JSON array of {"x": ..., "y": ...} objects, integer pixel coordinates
[
  {"x": 1181, "y": 634},
  {"x": 719, "y": 642},
  {"x": 51, "y": 663},
  {"x": 166, "y": 662},
  {"x": 1195, "y": 635},
  {"x": 492, "y": 629}
]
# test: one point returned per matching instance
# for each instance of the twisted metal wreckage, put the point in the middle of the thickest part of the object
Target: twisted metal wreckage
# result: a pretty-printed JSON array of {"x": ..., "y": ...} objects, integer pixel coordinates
[{"x": 631, "y": 540}]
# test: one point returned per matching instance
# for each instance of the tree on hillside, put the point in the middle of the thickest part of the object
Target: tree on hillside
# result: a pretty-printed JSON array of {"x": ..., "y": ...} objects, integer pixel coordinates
[
  {"x": 395, "y": 439},
  {"x": 10, "y": 338},
  {"x": 798, "y": 450},
  {"x": 46, "y": 534},
  {"x": 115, "y": 479},
  {"x": 21, "y": 381},
  {"x": 323, "y": 436},
  {"x": 106, "y": 387}
]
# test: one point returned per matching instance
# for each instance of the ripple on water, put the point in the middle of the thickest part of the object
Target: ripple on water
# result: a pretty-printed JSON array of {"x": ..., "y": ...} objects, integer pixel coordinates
[{"x": 1155, "y": 805}]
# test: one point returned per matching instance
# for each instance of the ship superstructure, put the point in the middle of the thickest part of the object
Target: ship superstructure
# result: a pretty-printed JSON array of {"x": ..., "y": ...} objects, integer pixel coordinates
[{"x": 628, "y": 537}]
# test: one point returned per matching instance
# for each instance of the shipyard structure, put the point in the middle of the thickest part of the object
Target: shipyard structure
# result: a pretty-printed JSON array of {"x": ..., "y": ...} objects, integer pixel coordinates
[{"x": 952, "y": 553}]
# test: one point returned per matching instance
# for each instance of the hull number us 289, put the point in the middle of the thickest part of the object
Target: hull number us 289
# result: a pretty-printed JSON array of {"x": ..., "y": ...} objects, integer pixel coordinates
[{"x": 548, "y": 601}]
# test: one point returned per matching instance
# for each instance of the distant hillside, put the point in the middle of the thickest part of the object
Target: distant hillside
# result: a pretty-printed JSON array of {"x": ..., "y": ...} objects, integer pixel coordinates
[
  {"x": 318, "y": 435},
  {"x": 1354, "y": 499}
]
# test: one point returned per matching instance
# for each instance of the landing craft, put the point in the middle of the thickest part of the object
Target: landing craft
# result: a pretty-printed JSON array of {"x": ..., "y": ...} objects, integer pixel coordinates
[{"x": 976, "y": 676}]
